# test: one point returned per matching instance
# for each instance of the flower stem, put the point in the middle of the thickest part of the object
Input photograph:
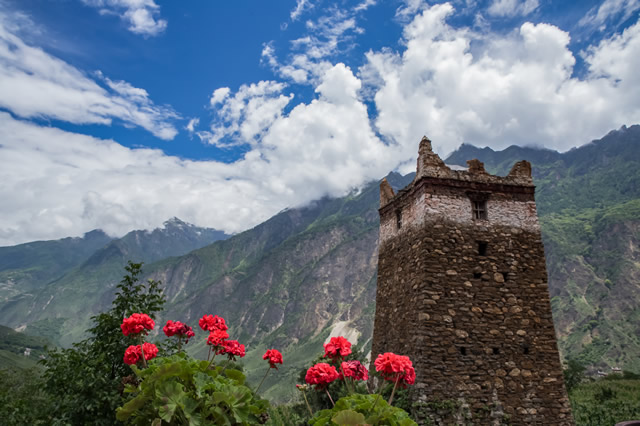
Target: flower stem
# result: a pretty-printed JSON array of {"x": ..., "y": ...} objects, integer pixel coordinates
[
  {"x": 262, "y": 381},
  {"x": 376, "y": 400},
  {"x": 144, "y": 361},
  {"x": 304, "y": 393},
  {"x": 345, "y": 379},
  {"x": 329, "y": 395},
  {"x": 393, "y": 392}
]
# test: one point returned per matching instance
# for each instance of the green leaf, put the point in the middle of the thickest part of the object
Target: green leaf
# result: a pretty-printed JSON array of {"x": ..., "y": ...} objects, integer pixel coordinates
[
  {"x": 124, "y": 412},
  {"x": 236, "y": 375},
  {"x": 171, "y": 395},
  {"x": 348, "y": 418}
]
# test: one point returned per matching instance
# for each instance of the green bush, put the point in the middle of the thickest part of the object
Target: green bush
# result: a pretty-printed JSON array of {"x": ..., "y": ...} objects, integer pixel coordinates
[
  {"x": 359, "y": 409},
  {"x": 178, "y": 390}
]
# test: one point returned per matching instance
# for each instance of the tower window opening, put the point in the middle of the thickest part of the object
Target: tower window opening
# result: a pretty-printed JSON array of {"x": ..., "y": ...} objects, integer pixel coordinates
[
  {"x": 496, "y": 351},
  {"x": 477, "y": 275},
  {"x": 479, "y": 210},
  {"x": 525, "y": 350},
  {"x": 463, "y": 350},
  {"x": 482, "y": 248},
  {"x": 399, "y": 218}
]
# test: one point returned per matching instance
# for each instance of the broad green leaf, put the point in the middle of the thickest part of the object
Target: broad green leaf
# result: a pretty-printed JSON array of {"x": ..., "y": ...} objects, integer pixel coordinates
[
  {"x": 348, "y": 418},
  {"x": 171, "y": 396},
  {"x": 236, "y": 375},
  {"x": 124, "y": 412}
]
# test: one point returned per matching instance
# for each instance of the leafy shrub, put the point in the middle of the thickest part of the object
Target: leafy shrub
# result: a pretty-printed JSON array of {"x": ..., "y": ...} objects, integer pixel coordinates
[
  {"x": 362, "y": 409},
  {"x": 178, "y": 390}
]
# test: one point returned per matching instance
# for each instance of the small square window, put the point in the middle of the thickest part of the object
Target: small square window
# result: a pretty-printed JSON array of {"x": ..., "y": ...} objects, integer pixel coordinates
[
  {"x": 479, "y": 210},
  {"x": 482, "y": 248}
]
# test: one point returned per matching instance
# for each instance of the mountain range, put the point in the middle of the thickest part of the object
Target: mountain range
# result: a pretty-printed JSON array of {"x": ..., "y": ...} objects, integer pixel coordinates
[{"x": 310, "y": 272}]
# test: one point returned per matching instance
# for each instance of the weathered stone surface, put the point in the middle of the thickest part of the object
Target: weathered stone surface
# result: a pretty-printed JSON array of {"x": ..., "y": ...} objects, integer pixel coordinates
[{"x": 488, "y": 338}]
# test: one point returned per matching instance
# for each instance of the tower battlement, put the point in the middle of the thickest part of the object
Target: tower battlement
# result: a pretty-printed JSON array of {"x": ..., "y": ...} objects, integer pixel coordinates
[
  {"x": 462, "y": 290},
  {"x": 472, "y": 196}
]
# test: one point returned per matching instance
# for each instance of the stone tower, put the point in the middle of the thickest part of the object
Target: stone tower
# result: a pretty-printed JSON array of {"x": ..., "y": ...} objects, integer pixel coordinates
[{"x": 462, "y": 290}]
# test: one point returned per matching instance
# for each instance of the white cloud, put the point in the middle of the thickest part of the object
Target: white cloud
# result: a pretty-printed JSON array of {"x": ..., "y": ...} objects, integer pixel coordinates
[
  {"x": 452, "y": 84},
  {"x": 514, "y": 90},
  {"x": 192, "y": 124},
  {"x": 140, "y": 15},
  {"x": 71, "y": 183},
  {"x": 366, "y": 4},
  {"x": 35, "y": 84},
  {"x": 620, "y": 10},
  {"x": 301, "y": 6},
  {"x": 244, "y": 117},
  {"x": 512, "y": 7},
  {"x": 326, "y": 37}
]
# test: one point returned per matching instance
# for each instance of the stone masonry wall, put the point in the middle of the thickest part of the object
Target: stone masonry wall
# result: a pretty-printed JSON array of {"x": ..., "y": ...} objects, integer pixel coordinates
[
  {"x": 420, "y": 205},
  {"x": 478, "y": 328},
  {"x": 467, "y": 299}
]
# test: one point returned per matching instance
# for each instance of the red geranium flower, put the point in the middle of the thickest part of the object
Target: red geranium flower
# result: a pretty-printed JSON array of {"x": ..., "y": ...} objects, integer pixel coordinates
[
  {"x": 355, "y": 370},
  {"x": 217, "y": 337},
  {"x": 321, "y": 375},
  {"x": 133, "y": 354},
  {"x": 232, "y": 348},
  {"x": 391, "y": 366},
  {"x": 137, "y": 323},
  {"x": 177, "y": 328},
  {"x": 337, "y": 347},
  {"x": 212, "y": 323},
  {"x": 274, "y": 356}
]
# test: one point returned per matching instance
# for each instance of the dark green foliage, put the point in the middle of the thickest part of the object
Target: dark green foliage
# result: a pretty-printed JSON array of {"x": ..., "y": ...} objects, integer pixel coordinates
[
  {"x": 22, "y": 400},
  {"x": 288, "y": 415},
  {"x": 362, "y": 409},
  {"x": 605, "y": 402},
  {"x": 573, "y": 374},
  {"x": 86, "y": 380},
  {"x": 180, "y": 391}
]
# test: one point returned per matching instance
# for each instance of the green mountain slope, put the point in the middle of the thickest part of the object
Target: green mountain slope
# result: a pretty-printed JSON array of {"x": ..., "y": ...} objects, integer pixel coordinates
[
  {"x": 18, "y": 350},
  {"x": 26, "y": 267},
  {"x": 292, "y": 280},
  {"x": 87, "y": 288}
]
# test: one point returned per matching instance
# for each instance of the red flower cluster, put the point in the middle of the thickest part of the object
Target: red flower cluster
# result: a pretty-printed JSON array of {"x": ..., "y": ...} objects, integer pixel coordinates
[
  {"x": 391, "y": 366},
  {"x": 212, "y": 323},
  {"x": 274, "y": 356},
  {"x": 338, "y": 347},
  {"x": 217, "y": 337},
  {"x": 355, "y": 370},
  {"x": 137, "y": 323},
  {"x": 231, "y": 348},
  {"x": 321, "y": 375},
  {"x": 133, "y": 354},
  {"x": 177, "y": 328}
]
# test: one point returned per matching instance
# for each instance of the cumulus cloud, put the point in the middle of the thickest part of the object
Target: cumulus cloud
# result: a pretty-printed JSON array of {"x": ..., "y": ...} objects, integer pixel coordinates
[
  {"x": 511, "y": 8},
  {"x": 452, "y": 84},
  {"x": 35, "y": 84},
  {"x": 71, "y": 183},
  {"x": 518, "y": 89},
  {"x": 245, "y": 116},
  {"x": 140, "y": 15}
]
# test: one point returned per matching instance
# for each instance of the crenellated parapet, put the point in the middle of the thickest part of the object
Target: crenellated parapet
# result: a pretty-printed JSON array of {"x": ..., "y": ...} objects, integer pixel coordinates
[{"x": 470, "y": 196}]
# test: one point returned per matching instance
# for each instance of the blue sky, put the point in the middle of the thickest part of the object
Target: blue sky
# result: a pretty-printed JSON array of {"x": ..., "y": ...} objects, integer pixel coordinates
[{"x": 119, "y": 114}]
